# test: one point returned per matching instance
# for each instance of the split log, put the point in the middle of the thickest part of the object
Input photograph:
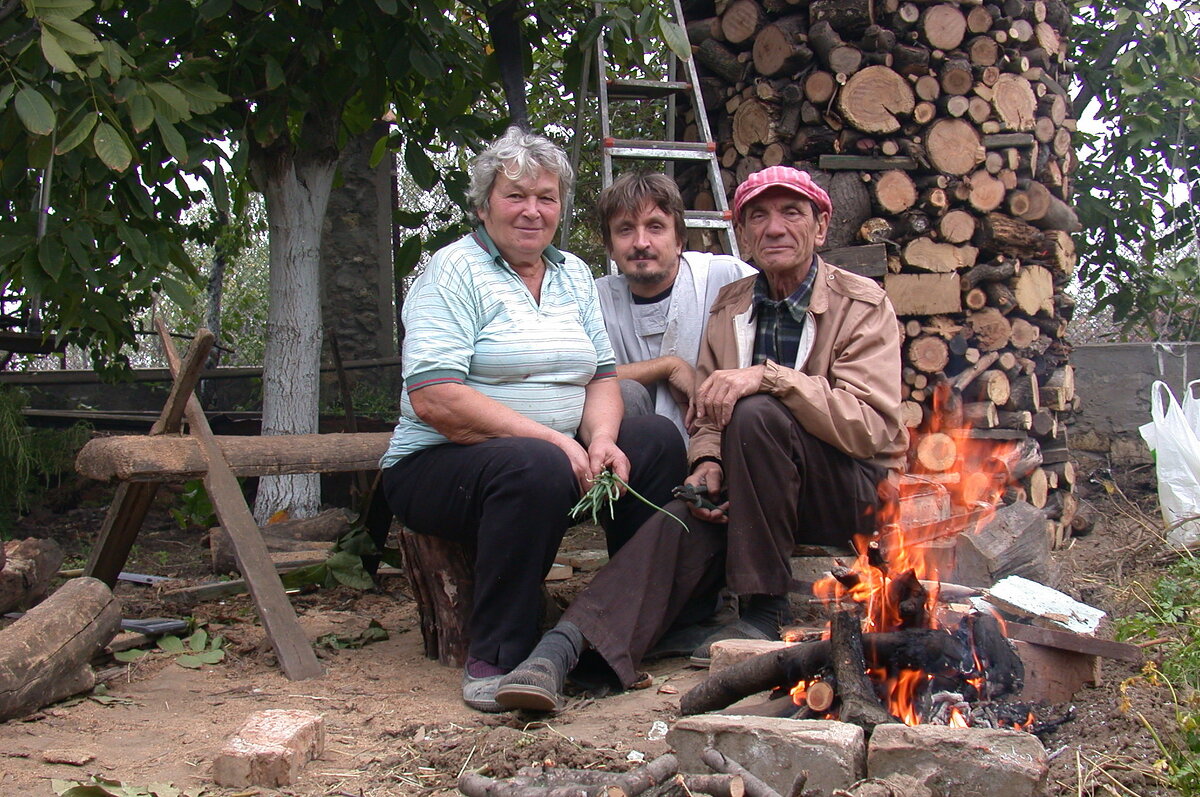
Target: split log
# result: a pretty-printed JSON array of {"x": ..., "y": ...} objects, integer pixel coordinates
[
  {"x": 753, "y": 123},
  {"x": 1034, "y": 290},
  {"x": 721, "y": 785},
  {"x": 992, "y": 330},
  {"x": 923, "y": 294},
  {"x": 987, "y": 192},
  {"x": 839, "y": 57},
  {"x": 1024, "y": 393},
  {"x": 851, "y": 18},
  {"x": 1014, "y": 103},
  {"x": 719, "y": 762},
  {"x": 1024, "y": 334},
  {"x": 989, "y": 272},
  {"x": 936, "y": 452},
  {"x": 999, "y": 233},
  {"x": 44, "y": 655},
  {"x": 721, "y": 61},
  {"x": 26, "y": 569},
  {"x": 992, "y": 386},
  {"x": 928, "y": 354},
  {"x": 1013, "y": 542},
  {"x": 894, "y": 191},
  {"x": 819, "y": 87},
  {"x": 741, "y": 20},
  {"x": 924, "y": 253},
  {"x": 873, "y": 98},
  {"x": 943, "y": 26},
  {"x": 781, "y": 48},
  {"x": 953, "y": 146},
  {"x": 1058, "y": 390},
  {"x": 859, "y": 704}
]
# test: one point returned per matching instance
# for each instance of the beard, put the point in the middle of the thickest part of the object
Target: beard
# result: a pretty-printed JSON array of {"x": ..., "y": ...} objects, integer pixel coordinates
[{"x": 650, "y": 276}]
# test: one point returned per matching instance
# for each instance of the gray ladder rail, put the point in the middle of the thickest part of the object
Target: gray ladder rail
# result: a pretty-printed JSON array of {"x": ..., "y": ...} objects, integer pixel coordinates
[{"x": 670, "y": 151}]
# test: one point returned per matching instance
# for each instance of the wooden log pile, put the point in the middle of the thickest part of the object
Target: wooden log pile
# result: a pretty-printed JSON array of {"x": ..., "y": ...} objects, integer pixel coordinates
[{"x": 942, "y": 131}]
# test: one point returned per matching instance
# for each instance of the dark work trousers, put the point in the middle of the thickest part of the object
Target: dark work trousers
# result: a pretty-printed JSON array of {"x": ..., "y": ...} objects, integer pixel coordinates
[
  {"x": 511, "y": 498},
  {"x": 785, "y": 486}
]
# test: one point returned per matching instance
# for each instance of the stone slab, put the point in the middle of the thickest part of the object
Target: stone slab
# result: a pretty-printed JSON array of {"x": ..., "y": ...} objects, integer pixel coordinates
[
  {"x": 962, "y": 762},
  {"x": 776, "y": 750},
  {"x": 728, "y": 652}
]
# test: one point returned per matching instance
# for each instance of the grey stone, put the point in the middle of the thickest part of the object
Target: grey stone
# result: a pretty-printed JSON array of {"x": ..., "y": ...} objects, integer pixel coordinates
[
  {"x": 961, "y": 762},
  {"x": 776, "y": 750}
]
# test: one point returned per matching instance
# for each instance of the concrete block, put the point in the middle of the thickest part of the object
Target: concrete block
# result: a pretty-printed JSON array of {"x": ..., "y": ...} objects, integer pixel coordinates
[
  {"x": 270, "y": 749},
  {"x": 728, "y": 652},
  {"x": 961, "y": 762},
  {"x": 776, "y": 750}
]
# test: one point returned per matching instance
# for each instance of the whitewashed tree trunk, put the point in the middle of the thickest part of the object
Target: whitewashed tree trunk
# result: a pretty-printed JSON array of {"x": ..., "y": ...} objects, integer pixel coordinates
[{"x": 296, "y": 187}]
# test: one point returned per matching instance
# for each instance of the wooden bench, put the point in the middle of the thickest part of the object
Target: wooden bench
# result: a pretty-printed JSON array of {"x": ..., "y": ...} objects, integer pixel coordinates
[{"x": 440, "y": 572}]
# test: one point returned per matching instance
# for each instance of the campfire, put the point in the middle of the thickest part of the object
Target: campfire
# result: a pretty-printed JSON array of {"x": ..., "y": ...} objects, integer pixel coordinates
[{"x": 893, "y": 650}]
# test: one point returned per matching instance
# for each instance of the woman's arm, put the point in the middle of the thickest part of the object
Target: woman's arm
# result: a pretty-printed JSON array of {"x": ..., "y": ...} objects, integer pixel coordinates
[
  {"x": 602, "y": 411},
  {"x": 466, "y": 416}
]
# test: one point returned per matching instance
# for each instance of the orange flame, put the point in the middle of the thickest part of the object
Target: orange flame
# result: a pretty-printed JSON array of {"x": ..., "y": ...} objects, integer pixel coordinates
[{"x": 955, "y": 487}]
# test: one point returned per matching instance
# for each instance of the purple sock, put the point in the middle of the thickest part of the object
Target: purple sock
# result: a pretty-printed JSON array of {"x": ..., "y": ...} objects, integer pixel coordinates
[{"x": 478, "y": 668}]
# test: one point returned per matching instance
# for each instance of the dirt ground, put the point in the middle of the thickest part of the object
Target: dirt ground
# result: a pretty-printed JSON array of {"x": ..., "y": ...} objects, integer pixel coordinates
[{"x": 394, "y": 721}]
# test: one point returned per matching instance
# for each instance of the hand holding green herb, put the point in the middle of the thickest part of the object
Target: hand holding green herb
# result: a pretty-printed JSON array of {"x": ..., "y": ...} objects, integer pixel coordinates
[{"x": 606, "y": 491}]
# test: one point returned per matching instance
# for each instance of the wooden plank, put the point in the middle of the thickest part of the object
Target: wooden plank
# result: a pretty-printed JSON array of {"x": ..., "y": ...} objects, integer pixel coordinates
[
  {"x": 924, "y": 294},
  {"x": 161, "y": 458},
  {"x": 292, "y": 648},
  {"x": 79, "y": 377},
  {"x": 866, "y": 163},
  {"x": 1079, "y": 643},
  {"x": 1054, "y": 675},
  {"x": 869, "y": 260},
  {"x": 131, "y": 502}
]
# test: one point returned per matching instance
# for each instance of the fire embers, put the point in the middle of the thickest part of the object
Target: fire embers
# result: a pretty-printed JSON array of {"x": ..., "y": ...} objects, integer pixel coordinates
[{"x": 916, "y": 675}]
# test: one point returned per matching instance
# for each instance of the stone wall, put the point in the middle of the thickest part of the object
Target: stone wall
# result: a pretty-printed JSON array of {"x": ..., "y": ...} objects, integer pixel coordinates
[{"x": 1112, "y": 381}]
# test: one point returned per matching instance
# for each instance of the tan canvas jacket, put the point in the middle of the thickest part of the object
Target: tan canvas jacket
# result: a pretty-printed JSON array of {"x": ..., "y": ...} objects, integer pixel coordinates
[{"x": 845, "y": 386}]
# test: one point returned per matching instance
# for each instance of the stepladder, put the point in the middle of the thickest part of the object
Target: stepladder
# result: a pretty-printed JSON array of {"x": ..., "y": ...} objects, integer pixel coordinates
[{"x": 652, "y": 117}]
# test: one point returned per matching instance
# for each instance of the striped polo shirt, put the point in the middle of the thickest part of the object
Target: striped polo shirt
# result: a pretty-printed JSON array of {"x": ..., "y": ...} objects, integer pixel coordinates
[{"x": 469, "y": 319}]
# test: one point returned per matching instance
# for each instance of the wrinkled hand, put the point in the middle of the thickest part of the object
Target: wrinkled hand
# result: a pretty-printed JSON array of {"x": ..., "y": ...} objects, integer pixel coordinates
[
  {"x": 710, "y": 477},
  {"x": 603, "y": 454},
  {"x": 715, "y": 399}
]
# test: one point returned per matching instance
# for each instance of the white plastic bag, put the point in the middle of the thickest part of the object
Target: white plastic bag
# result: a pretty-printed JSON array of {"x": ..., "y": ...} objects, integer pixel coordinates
[{"x": 1173, "y": 435}]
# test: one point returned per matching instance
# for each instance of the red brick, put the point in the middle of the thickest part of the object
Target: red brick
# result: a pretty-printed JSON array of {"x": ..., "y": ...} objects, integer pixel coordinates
[{"x": 270, "y": 749}]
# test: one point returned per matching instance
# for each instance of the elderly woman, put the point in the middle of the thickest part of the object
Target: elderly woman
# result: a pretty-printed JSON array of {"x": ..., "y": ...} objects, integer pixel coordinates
[{"x": 511, "y": 405}]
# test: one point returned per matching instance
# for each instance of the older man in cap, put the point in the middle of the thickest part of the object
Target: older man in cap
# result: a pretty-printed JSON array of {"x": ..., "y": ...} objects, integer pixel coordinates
[{"x": 798, "y": 410}]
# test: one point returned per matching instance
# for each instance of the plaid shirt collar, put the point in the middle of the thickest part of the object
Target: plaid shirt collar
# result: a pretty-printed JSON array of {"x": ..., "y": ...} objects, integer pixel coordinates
[{"x": 796, "y": 304}]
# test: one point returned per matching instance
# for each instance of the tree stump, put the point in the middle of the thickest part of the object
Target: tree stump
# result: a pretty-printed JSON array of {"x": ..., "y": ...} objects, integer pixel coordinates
[{"x": 442, "y": 575}]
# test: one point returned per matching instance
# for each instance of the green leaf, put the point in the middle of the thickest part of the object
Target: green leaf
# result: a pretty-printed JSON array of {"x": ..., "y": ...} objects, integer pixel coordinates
[
  {"x": 388, "y": 7},
  {"x": 55, "y": 55},
  {"x": 141, "y": 112},
  {"x": 6, "y": 92},
  {"x": 177, "y": 292},
  {"x": 274, "y": 73},
  {"x": 73, "y": 37},
  {"x": 198, "y": 640},
  {"x": 211, "y": 656},
  {"x": 348, "y": 569},
  {"x": 675, "y": 37},
  {"x": 172, "y": 140},
  {"x": 171, "y": 644},
  {"x": 110, "y": 148},
  {"x": 201, "y": 97},
  {"x": 215, "y": 9},
  {"x": 51, "y": 257},
  {"x": 79, "y": 134},
  {"x": 130, "y": 655},
  {"x": 189, "y": 660},
  {"x": 66, "y": 9},
  {"x": 429, "y": 66},
  {"x": 34, "y": 112},
  {"x": 110, "y": 57},
  {"x": 423, "y": 172},
  {"x": 378, "y": 151},
  {"x": 172, "y": 96}
]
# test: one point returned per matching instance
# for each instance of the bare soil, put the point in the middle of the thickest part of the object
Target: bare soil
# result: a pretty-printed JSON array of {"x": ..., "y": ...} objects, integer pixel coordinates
[{"x": 394, "y": 721}]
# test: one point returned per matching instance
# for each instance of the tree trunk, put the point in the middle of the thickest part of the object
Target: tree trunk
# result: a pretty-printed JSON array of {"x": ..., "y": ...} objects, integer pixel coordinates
[{"x": 296, "y": 186}]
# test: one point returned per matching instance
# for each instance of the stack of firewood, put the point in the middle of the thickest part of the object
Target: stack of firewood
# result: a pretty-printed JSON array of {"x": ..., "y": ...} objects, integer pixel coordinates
[{"x": 942, "y": 133}]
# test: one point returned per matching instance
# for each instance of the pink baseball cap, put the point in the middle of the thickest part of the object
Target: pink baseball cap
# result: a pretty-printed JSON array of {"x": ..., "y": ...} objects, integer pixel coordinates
[{"x": 780, "y": 177}]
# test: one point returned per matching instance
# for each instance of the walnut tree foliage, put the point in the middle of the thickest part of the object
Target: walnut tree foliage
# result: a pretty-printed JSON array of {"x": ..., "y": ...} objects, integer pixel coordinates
[{"x": 1138, "y": 181}]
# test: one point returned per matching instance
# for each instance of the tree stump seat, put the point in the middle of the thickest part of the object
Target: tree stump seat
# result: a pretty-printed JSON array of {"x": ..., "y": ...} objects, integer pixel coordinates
[{"x": 442, "y": 575}]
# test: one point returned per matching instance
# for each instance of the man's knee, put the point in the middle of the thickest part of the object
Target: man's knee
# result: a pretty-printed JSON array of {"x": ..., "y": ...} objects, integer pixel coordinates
[
  {"x": 759, "y": 414},
  {"x": 636, "y": 397}
]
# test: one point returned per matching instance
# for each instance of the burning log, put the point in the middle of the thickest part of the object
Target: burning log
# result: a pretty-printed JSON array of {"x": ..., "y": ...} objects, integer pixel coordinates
[
  {"x": 909, "y": 649},
  {"x": 909, "y": 597},
  {"x": 723, "y": 763},
  {"x": 859, "y": 704},
  {"x": 997, "y": 656}
]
